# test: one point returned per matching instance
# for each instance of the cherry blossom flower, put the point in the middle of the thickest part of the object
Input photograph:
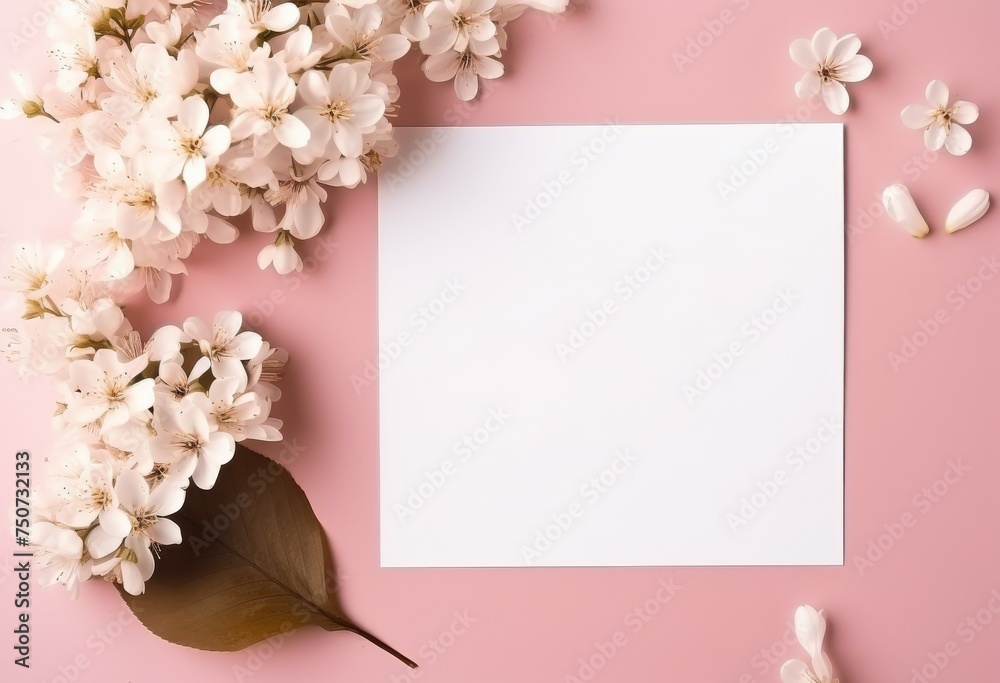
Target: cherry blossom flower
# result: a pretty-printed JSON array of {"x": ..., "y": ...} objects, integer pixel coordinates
[
  {"x": 181, "y": 147},
  {"x": 942, "y": 123},
  {"x": 58, "y": 557},
  {"x": 339, "y": 108},
  {"x": 186, "y": 439},
  {"x": 107, "y": 391},
  {"x": 455, "y": 23},
  {"x": 27, "y": 104},
  {"x": 465, "y": 67},
  {"x": 263, "y": 97},
  {"x": 223, "y": 343},
  {"x": 281, "y": 254},
  {"x": 830, "y": 62}
]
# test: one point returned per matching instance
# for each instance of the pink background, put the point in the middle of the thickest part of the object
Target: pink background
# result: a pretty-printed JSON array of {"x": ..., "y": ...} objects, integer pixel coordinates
[{"x": 612, "y": 61}]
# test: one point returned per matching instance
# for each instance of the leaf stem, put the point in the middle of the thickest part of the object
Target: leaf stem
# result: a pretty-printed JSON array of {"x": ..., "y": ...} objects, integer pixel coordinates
[{"x": 374, "y": 640}]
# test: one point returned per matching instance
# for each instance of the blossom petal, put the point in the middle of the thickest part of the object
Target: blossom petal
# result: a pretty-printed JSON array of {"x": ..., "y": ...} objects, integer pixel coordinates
[
  {"x": 281, "y": 18},
  {"x": 958, "y": 141},
  {"x": 292, "y": 133},
  {"x": 810, "y": 629},
  {"x": 466, "y": 85},
  {"x": 165, "y": 532},
  {"x": 802, "y": 54},
  {"x": 116, "y": 522},
  {"x": 794, "y": 671},
  {"x": 195, "y": 172},
  {"x": 100, "y": 543},
  {"x": 845, "y": 49},
  {"x": 917, "y": 116},
  {"x": 132, "y": 490},
  {"x": 822, "y": 43},
  {"x": 835, "y": 96},
  {"x": 215, "y": 141},
  {"x": 934, "y": 137},
  {"x": 964, "y": 112},
  {"x": 937, "y": 94},
  {"x": 808, "y": 86},
  {"x": 858, "y": 68},
  {"x": 193, "y": 114},
  {"x": 132, "y": 578}
]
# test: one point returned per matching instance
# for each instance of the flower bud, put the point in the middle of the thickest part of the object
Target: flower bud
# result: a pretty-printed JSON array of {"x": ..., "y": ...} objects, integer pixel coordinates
[
  {"x": 967, "y": 210},
  {"x": 902, "y": 209}
]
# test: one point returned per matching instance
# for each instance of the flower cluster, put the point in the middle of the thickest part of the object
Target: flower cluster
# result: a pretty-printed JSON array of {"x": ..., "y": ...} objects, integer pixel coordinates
[
  {"x": 172, "y": 117},
  {"x": 138, "y": 421}
]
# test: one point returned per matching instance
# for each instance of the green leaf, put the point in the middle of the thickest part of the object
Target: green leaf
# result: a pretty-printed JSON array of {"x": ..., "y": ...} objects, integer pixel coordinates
[{"x": 253, "y": 565}]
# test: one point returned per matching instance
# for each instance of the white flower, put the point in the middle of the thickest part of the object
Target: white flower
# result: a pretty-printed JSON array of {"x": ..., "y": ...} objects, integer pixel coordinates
[
  {"x": 28, "y": 104},
  {"x": 146, "y": 512},
  {"x": 263, "y": 97},
  {"x": 29, "y": 272},
  {"x": 226, "y": 175},
  {"x": 58, "y": 556},
  {"x": 186, "y": 441},
  {"x": 365, "y": 36},
  {"x": 143, "y": 194},
  {"x": 241, "y": 415},
  {"x": 303, "y": 199},
  {"x": 941, "y": 121},
  {"x": 339, "y": 108},
  {"x": 281, "y": 253},
  {"x": 232, "y": 48},
  {"x": 174, "y": 383},
  {"x": 224, "y": 344},
  {"x": 131, "y": 565},
  {"x": 465, "y": 67},
  {"x": 182, "y": 146},
  {"x": 107, "y": 392},
  {"x": 264, "y": 371},
  {"x": 456, "y": 23},
  {"x": 810, "y": 629},
  {"x": 413, "y": 24},
  {"x": 831, "y": 62},
  {"x": 84, "y": 485},
  {"x": 148, "y": 80}
]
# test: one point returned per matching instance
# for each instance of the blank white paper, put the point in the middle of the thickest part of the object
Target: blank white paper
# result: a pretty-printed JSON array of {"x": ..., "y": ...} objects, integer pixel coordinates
[{"x": 612, "y": 346}]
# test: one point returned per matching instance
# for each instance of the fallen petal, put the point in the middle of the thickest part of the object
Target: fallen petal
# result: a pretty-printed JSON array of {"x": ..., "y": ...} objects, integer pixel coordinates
[
  {"x": 902, "y": 209},
  {"x": 967, "y": 210}
]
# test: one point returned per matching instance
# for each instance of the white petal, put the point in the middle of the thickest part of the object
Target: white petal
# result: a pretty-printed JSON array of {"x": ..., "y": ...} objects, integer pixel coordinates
[
  {"x": 489, "y": 68},
  {"x": 858, "y": 68},
  {"x": 100, "y": 543},
  {"x": 822, "y": 43},
  {"x": 845, "y": 49},
  {"x": 958, "y": 141},
  {"x": 441, "y": 68},
  {"x": 802, "y": 54},
  {"x": 466, "y": 85},
  {"x": 964, "y": 112},
  {"x": 810, "y": 628},
  {"x": 900, "y": 207},
  {"x": 794, "y": 671},
  {"x": 292, "y": 133},
  {"x": 195, "y": 172},
  {"x": 132, "y": 490},
  {"x": 116, "y": 522},
  {"x": 937, "y": 94},
  {"x": 281, "y": 18},
  {"x": 193, "y": 114},
  {"x": 808, "y": 86},
  {"x": 215, "y": 141},
  {"x": 934, "y": 137},
  {"x": 165, "y": 532},
  {"x": 967, "y": 210},
  {"x": 917, "y": 116},
  {"x": 132, "y": 579},
  {"x": 835, "y": 96}
]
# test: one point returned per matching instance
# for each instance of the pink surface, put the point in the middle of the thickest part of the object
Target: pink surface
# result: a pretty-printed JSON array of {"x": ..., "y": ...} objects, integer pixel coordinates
[{"x": 612, "y": 61}]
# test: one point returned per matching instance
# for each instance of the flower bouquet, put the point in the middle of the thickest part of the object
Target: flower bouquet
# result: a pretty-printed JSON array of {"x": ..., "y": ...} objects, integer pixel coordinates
[{"x": 170, "y": 119}]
